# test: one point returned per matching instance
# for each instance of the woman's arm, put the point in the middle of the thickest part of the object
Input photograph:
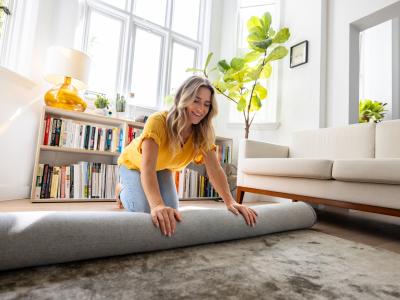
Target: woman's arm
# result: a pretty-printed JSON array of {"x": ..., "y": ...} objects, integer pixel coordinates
[
  {"x": 218, "y": 179},
  {"x": 162, "y": 216}
]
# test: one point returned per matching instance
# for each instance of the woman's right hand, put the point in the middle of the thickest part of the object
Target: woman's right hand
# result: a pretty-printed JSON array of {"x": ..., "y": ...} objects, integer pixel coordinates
[{"x": 165, "y": 218}]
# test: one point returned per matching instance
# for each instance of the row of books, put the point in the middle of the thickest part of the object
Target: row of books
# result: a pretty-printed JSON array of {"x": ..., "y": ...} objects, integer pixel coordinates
[
  {"x": 224, "y": 153},
  {"x": 81, "y": 135},
  {"x": 191, "y": 184},
  {"x": 133, "y": 133},
  {"x": 83, "y": 180}
]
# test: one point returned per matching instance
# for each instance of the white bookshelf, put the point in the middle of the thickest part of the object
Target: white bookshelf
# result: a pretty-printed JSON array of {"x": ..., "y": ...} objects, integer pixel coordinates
[{"x": 57, "y": 156}]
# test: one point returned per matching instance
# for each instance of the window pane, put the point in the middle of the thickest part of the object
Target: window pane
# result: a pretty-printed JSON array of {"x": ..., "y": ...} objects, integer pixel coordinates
[
  {"x": 104, "y": 41},
  {"x": 153, "y": 11},
  {"x": 146, "y": 62},
  {"x": 185, "y": 18},
  {"x": 182, "y": 58}
]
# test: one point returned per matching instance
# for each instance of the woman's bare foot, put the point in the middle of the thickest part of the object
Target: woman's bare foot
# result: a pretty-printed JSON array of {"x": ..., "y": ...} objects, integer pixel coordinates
[{"x": 118, "y": 189}]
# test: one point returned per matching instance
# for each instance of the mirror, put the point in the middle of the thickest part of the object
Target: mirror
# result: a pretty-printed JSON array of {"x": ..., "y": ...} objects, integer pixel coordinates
[
  {"x": 374, "y": 57},
  {"x": 375, "y": 75}
]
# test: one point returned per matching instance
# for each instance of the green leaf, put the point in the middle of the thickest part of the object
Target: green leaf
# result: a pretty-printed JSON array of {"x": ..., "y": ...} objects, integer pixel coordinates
[
  {"x": 254, "y": 25},
  {"x": 264, "y": 44},
  {"x": 252, "y": 56},
  {"x": 194, "y": 70},
  {"x": 234, "y": 95},
  {"x": 255, "y": 103},
  {"x": 278, "y": 53},
  {"x": 220, "y": 86},
  {"x": 237, "y": 63},
  {"x": 241, "y": 104},
  {"x": 271, "y": 32},
  {"x": 223, "y": 66},
  {"x": 252, "y": 73},
  {"x": 282, "y": 36},
  {"x": 255, "y": 37},
  {"x": 208, "y": 60},
  {"x": 229, "y": 75},
  {"x": 266, "y": 21},
  {"x": 266, "y": 71},
  {"x": 260, "y": 91}
]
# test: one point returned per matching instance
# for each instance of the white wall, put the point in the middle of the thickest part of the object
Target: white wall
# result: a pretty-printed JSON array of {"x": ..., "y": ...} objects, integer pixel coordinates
[
  {"x": 340, "y": 14},
  {"x": 19, "y": 119},
  {"x": 51, "y": 23}
]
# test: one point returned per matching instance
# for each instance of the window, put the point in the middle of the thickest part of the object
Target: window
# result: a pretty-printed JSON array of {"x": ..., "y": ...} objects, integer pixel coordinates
[
  {"x": 143, "y": 47},
  {"x": 104, "y": 40},
  {"x": 247, "y": 9}
]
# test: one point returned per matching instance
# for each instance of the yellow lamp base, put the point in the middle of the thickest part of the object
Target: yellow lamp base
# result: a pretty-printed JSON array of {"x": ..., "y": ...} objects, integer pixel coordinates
[{"x": 65, "y": 97}]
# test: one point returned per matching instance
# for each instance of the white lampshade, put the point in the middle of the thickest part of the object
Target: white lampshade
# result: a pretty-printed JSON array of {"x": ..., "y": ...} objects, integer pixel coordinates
[{"x": 66, "y": 62}]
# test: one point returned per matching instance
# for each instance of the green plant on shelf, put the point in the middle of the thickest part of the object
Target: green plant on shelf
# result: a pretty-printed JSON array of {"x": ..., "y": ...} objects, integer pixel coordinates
[
  {"x": 101, "y": 102},
  {"x": 120, "y": 103}
]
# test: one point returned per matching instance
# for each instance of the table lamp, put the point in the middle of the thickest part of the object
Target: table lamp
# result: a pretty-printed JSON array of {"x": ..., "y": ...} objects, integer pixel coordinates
[{"x": 68, "y": 69}]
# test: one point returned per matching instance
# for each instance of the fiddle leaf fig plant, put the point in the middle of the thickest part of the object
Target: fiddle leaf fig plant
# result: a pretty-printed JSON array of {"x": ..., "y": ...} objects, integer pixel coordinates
[
  {"x": 370, "y": 110},
  {"x": 242, "y": 80}
]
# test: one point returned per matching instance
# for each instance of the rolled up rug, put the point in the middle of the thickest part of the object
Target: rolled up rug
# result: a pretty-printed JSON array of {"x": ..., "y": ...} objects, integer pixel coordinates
[{"x": 41, "y": 238}]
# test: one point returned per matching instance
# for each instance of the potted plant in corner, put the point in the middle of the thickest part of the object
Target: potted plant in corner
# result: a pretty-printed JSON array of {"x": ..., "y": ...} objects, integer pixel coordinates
[
  {"x": 243, "y": 79},
  {"x": 371, "y": 111}
]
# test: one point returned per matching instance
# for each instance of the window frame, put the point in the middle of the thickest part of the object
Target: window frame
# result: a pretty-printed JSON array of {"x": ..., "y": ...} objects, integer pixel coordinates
[
  {"x": 271, "y": 119},
  {"x": 168, "y": 37}
]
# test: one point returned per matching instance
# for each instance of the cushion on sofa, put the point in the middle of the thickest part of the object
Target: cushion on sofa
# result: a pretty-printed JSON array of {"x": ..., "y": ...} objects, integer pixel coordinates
[
  {"x": 352, "y": 141},
  {"x": 289, "y": 167},
  {"x": 388, "y": 139},
  {"x": 374, "y": 170}
]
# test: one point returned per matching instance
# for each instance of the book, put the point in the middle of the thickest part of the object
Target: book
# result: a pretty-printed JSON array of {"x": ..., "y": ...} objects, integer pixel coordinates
[{"x": 39, "y": 178}]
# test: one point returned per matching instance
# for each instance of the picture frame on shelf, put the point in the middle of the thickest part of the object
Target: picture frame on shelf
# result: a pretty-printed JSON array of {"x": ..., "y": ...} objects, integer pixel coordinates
[{"x": 299, "y": 54}]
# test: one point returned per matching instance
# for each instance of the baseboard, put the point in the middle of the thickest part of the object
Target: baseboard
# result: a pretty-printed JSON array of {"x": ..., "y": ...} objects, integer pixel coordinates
[{"x": 12, "y": 192}]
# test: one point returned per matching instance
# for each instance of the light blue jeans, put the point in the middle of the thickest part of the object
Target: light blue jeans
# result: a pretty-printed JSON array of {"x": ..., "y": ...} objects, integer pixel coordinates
[{"x": 133, "y": 197}]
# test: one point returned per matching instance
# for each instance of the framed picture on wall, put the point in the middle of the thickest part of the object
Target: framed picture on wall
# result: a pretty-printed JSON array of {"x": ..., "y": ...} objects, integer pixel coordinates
[{"x": 299, "y": 54}]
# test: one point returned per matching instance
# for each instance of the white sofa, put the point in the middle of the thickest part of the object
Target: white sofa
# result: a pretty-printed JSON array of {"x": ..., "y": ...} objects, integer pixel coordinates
[{"x": 355, "y": 167}]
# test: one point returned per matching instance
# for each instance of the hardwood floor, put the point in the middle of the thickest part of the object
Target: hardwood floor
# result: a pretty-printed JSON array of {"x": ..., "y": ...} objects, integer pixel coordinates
[{"x": 354, "y": 226}]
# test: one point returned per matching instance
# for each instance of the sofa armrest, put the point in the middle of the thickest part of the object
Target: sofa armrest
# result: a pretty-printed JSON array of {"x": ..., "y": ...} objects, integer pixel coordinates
[{"x": 256, "y": 149}]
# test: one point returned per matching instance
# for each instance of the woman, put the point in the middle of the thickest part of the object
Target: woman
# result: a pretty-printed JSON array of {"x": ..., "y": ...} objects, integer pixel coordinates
[{"x": 169, "y": 142}]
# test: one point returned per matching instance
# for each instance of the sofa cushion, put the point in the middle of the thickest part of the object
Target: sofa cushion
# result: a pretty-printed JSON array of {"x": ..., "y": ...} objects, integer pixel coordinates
[
  {"x": 367, "y": 170},
  {"x": 351, "y": 141},
  {"x": 289, "y": 167},
  {"x": 387, "y": 139}
]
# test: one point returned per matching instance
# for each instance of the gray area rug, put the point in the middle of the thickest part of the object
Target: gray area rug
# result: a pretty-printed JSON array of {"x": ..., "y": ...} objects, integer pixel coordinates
[{"x": 302, "y": 264}]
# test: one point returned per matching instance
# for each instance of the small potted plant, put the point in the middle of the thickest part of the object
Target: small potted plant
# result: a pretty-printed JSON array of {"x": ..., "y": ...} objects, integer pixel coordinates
[
  {"x": 101, "y": 104},
  {"x": 371, "y": 111},
  {"x": 120, "y": 105}
]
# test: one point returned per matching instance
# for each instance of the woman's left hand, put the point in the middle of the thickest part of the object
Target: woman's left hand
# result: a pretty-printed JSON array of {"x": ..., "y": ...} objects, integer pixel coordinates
[{"x": 248, "y": 213}]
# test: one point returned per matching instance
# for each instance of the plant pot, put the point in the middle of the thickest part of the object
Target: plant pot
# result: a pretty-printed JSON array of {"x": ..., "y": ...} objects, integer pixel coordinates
[{"x": 101, "y": 111}]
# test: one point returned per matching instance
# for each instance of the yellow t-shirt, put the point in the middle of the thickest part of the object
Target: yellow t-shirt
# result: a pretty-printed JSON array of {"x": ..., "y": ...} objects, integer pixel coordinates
[{"x": 156, "y": 129}]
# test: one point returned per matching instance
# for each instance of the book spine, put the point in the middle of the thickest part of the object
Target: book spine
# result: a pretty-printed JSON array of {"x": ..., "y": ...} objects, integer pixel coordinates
[
  {"x": 39, "y": 180},
  {"x": 49, "y": 182},
  {"x": 47, "y": 120}
]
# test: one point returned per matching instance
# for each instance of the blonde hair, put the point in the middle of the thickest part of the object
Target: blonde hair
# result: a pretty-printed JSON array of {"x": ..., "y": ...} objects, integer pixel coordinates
[{"x": 203, "y": 133}]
